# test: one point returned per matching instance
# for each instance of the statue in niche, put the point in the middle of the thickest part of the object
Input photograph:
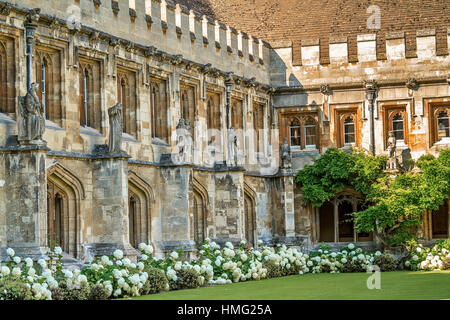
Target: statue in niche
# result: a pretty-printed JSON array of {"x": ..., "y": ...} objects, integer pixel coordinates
[
  {"x": 115, "y": 128},
  {"x": 285, "y": 155},
  {"x": 184, "y": 140},
  {"x": 392, "y": 152},
  {"x": 31, "y": 121},
  {"x": 232, "y": 147}
]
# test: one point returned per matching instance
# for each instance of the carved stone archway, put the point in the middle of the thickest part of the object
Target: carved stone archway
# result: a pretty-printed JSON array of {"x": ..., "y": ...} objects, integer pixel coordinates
[
  {"x": 64, "y": 194},
  {"x": 140, "y": 203}
]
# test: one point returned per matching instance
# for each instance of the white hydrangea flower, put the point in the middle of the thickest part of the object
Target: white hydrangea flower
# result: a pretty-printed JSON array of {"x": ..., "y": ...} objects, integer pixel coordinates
[
  {"x": 16, "y": 272},
  {"x": 174, "y": 255},
  {"x": 118, "y": 254},
  {"x": 29, "y": 262},
  {"x": 58, "y": 250},
  {"x": 351, "y": 246},
  {"x": 31, "y": 272},
  {"x": 10, "y": 252}
]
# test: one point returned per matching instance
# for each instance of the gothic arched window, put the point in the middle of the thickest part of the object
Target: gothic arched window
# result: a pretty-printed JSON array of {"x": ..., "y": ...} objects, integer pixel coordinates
[{"x": 85, "y": 96}]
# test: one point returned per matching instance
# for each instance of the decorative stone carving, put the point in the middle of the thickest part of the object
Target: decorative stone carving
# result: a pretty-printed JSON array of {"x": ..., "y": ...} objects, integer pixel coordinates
[
  {"x": 286, "y": 160},
  {"x": 150, "y": 51},
  {"x": 6, "y": 9},
  {"x": 94, "y": 36},
  {"x": 31, "y": 122},
  {"x": 251, "y": 83},
  {"x": 325, "y": 89},
  {"x": 115, "y": 128},
  {"x": 206, "y": 68},
  {"x": 392, "y": 152},
  {"x": 412, "y": 85},
  {"x": 184, "y": 141},
  {"x": 177, "y": 59},
  {"x": 33, "y": 15}
]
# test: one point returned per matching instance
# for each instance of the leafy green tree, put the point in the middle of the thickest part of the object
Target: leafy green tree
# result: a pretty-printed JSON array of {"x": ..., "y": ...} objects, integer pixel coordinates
[{"x": 397, "y": 202}]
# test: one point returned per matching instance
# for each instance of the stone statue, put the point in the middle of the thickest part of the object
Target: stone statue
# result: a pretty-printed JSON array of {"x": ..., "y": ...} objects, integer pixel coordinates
[
  {"x": 184, "y": 140},
  {"x": 31, "y": 121},
  {"x": 232, "y": 147},
  {"x": 285, "y": 155},
  {"x": 235, "y": 148},
  {"x": 392, "y": 152},
  {"x": 115, "y": 128}
]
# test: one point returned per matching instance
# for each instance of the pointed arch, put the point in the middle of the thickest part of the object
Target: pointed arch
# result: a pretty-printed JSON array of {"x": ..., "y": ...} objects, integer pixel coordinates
[
  {"x": 3, "y": 79},
  {"x": 140, "y": 201},
  {"x": 250, "y": 225},
  {"x": 64, "y": 194},
  {"x": 200, "y": 211}
]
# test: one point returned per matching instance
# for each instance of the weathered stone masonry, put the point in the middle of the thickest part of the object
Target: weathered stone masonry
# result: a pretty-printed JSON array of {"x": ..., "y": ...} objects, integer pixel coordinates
[{"x": 165, "y": 63}]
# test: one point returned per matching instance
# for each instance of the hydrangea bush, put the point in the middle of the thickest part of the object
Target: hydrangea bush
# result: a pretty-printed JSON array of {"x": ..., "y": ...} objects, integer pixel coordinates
[
  {"x": 117, "y": 276},
  {"x": 424, "y": 258}
]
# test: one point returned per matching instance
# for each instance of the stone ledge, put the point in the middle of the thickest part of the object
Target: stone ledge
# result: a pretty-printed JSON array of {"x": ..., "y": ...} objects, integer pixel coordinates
[{"x": 25, "y": 148}]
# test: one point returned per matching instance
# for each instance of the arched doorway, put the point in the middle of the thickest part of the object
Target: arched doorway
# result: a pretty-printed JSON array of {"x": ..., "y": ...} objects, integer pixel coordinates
[
  {"x": 346, "y": 231},
  {"x": 336, "y": 220},
  {"x": 440, "y": 222},
  {"x": 250, "y": 220},
  {"x": 132, "y": 221},
  {"x": 140, "y": 198},
  {"x": 326, "y": 222},
  {"x": 64, "y": 194},
  {"x": 199, "y": 218},
  {"x": 56, "y": 216}
]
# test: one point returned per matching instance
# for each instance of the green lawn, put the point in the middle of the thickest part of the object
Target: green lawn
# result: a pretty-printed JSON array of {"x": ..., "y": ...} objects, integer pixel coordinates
[{"x": 394, "y": 285}]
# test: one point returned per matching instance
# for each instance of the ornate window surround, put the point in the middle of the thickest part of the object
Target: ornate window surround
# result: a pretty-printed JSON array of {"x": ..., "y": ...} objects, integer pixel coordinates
[
  {"x": 301, "y": 117},
  {"x": 433, "y": 107},
  {"x": 388, "y": 112},
  {"x": 340, "y": 115}
]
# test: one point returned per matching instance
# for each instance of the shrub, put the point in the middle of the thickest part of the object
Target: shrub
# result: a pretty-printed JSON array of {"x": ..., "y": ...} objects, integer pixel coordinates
[
  {"x": 68, "y": 291},
  {"x": 14, "y": 290},
  {"x": 446, "y": 264},
  {"x": 98, "y": 292},
  {"x": 187, "y": 279},
  {"x": 386, "y": 262},
  {"x": 353, "y": 266},
  {"x": 156, "y": 282},
  {"x": 274, "y": 270}
]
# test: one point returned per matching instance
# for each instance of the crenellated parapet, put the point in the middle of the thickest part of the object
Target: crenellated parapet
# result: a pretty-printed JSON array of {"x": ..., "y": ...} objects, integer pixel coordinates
[
  {"x": 352, "y": 59},
  {"x": 170, "y": 28}
]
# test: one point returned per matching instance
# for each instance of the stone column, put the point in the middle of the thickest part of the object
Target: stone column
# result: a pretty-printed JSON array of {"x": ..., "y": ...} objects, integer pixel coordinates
[
  {"x": 175, "y": 223},
  {"x": 109, "y": 207},
  {"x": 287, "y": 200},
  {"x": 371, "y": 90},
  {"x": 24, "y": 201},
  {"x": 283, "y": 208},
  {"x": 229, "y": 213}
]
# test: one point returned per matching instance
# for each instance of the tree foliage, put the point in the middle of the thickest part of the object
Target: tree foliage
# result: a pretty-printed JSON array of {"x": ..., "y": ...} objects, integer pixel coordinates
[{"x": 397, "y": 202}]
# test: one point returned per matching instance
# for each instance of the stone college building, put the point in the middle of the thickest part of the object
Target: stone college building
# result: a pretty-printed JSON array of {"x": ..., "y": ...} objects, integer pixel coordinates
[{"x": 128, "y": 121}]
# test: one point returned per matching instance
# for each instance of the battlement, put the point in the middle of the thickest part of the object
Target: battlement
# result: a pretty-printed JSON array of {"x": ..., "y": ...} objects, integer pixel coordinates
[
  {"x": 339, "y": 50},
  {"x": 346, "y": 60},
  {"x": 168, "y": 27}
]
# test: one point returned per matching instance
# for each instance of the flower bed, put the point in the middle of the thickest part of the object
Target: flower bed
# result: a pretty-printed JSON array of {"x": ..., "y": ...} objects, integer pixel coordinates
[
  {"x": 117, "y": 276},
  {"x": 434, "y": 258}
]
